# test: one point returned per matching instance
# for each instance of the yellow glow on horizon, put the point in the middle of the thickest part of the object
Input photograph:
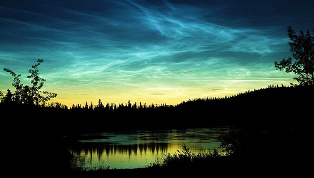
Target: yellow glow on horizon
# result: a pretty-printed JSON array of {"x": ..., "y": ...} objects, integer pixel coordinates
[{"x": 156, "y": 95}]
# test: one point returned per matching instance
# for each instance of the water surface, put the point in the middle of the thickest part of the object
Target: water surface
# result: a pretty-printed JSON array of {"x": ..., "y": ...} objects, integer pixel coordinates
[{"x": 140, "y": 148}]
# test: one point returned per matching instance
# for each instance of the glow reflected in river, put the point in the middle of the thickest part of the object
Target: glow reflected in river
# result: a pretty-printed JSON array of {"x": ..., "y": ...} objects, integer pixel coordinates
[{"x": 140, "y": 148}]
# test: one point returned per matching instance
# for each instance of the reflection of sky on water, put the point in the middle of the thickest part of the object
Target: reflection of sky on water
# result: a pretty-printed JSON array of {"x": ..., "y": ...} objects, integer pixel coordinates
[
  {"x": 156, "y": 136},
  {"x": 132, "y": 149}
]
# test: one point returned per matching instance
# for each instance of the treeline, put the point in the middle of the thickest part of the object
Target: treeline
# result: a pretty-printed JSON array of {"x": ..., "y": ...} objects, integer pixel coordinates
[{"x": 266, "y": 107}]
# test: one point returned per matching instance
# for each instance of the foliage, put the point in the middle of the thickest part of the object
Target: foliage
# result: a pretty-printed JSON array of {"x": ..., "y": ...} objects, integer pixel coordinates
[
  {"x": 1, "y": 94},
  {"x": 186, "y": 158},
  {"x": 234, "y": 142},
  {"x": 25, "y": 94},
  {"x": 302, "y": 49}
]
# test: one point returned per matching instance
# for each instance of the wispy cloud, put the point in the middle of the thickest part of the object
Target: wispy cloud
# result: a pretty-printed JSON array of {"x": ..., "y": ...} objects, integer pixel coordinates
[{"x": 170, "y": 49}]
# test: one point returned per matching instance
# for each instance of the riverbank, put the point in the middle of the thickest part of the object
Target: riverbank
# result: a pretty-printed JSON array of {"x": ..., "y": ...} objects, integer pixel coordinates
[{"x": 223, "y": 169}]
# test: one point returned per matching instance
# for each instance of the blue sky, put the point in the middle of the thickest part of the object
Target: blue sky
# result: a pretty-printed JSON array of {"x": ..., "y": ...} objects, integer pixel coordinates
[{"x": 154, "y": 52}]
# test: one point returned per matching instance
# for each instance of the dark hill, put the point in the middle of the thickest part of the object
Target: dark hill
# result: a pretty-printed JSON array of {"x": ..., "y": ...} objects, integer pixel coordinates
[{"x": 271, "y": 106}]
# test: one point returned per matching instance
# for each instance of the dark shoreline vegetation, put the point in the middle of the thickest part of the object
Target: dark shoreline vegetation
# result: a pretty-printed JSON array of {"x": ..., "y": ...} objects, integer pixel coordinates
[{"x": 275, "y": 116}]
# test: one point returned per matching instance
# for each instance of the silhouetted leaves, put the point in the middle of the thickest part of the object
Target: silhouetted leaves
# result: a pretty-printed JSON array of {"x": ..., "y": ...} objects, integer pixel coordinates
[
  {"x": 302, "y": 63},
  {"x": 30, "y": 95}
]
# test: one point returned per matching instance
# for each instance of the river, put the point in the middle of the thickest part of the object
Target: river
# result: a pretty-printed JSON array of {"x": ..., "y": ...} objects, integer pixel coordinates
[{"x": 140, "y": 148}]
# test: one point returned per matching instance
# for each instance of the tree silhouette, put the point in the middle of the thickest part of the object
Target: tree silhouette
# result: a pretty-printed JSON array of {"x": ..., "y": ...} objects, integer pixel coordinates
[
  {"x": 302, "y": 49},
  {"x": 29, "y": 95},
  {"x": 7, "y": 99}
]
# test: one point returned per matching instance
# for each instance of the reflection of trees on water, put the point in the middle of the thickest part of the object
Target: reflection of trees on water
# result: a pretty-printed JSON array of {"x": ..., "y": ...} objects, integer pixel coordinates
[{"x": 113, "y": 149}]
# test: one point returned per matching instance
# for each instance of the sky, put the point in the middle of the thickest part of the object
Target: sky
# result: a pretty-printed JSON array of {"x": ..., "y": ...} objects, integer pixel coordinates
[{"x": 153, "y": 52}]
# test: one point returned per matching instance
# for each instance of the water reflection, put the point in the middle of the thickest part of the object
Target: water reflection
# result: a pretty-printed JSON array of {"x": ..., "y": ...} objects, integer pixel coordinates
[{"x": 139, "y": 148}]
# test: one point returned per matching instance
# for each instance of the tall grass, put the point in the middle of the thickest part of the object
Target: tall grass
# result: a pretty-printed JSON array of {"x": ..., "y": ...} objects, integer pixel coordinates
[{"x": 186, "y": 158}]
